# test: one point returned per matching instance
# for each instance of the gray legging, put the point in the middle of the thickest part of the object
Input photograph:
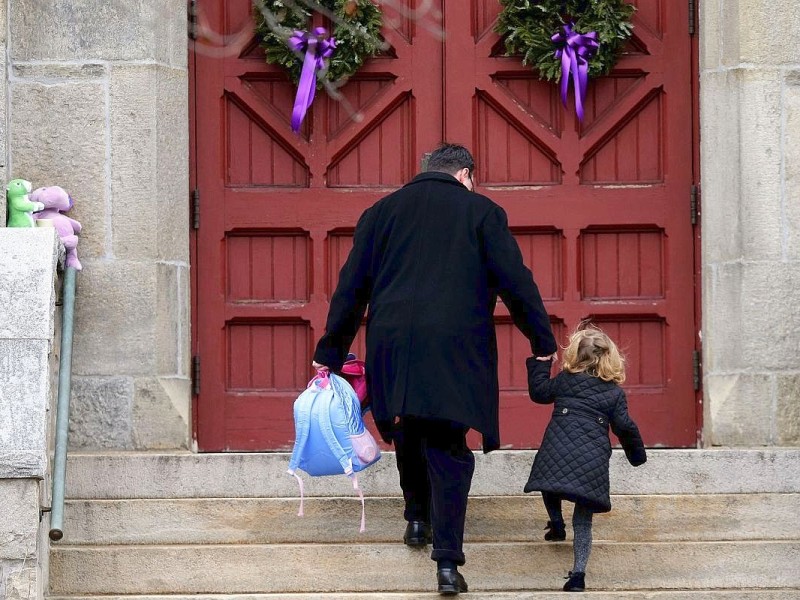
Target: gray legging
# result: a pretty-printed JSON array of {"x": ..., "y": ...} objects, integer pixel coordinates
[{"x": 581, "y": 524}]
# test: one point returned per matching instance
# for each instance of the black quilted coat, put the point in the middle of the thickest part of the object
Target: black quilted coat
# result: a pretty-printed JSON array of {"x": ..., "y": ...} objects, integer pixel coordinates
[{"x": 573, "y": 458}]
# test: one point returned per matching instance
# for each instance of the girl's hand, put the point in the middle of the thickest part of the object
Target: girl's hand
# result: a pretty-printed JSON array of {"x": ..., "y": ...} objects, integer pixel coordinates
[{"x": 553, "y": 356}]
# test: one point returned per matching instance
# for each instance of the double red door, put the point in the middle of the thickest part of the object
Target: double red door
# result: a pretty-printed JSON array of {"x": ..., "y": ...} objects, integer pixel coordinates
[{"x": 601, "y": 209}]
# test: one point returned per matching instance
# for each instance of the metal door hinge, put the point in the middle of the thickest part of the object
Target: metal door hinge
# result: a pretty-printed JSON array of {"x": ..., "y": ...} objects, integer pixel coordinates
[
  {"x": 195, "y": 375},
  {"x": 692, "y": 17},
  {"x": 696, "y": 370},
  {"x": 694, "y": 206},
  {"x": 192, "y": 19},
  {"x": 196, "y": 209}
]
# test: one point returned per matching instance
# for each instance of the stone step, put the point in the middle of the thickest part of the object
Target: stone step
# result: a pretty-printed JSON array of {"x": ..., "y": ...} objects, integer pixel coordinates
[
  {"x": 489, "y": 518},
  {"x": 332, "y": 568},
  {"x": 187, "y": 475},
  {"x": 593, "y": 595}
]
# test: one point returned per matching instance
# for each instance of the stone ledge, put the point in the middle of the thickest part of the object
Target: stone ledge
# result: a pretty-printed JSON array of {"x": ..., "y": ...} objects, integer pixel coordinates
[
  {"x": 24, "y": 464},
  {"x": 187, "y": 475},
  {"x": 321, "y": 567},
  {"x": 473, "y": 595},
  {"x": 662, "y": 518},
  {"x": 28, "y": 260}
]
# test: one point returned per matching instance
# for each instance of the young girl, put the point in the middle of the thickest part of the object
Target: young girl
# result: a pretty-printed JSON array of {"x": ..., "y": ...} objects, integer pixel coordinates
[{"x": 572, "y": 462}]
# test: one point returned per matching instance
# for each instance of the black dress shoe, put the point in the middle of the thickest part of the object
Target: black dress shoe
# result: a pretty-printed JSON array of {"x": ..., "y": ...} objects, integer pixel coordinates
[
  {"x": 418, "y": 533},
  {"x": 451, "y": 582},
  {"x": 576, "y": 582}
]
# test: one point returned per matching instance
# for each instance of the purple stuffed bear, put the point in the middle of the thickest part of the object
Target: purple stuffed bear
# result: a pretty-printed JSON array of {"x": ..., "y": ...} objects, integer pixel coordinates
[{"x": 57, "y": 201}]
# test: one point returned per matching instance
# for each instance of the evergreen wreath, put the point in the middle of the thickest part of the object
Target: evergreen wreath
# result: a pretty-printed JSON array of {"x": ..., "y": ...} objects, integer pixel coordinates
[
  {"x": 528, "y": 25},
  {"x": 357, "y": 28}
]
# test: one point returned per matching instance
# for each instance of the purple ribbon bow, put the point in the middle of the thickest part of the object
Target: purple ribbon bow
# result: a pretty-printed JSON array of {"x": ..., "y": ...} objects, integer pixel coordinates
[
  {"x": 575, "y": 50},
  {"x": 318, "y": 48}
]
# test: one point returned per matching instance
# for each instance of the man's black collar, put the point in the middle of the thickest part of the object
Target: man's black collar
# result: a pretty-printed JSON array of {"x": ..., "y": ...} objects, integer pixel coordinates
[{"x": 435, "y": 176}]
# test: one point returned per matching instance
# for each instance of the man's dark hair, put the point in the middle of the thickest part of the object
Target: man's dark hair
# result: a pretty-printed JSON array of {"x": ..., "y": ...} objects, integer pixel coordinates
[{"x": 449, "y": 158}]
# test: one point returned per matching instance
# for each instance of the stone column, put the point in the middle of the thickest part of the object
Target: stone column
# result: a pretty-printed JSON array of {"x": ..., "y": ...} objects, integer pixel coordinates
[
  {"x": 3, "y": 100},
  {"x": 750, "y": 170},
  {"x": 28, "y": 259},
  {"x": 99, "y": 106}
]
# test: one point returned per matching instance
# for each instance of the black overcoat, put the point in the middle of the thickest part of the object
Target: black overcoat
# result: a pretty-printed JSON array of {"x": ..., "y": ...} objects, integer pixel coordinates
[
  {"x": 573, "y": 458},
  {"x": 430, "y": 260}
]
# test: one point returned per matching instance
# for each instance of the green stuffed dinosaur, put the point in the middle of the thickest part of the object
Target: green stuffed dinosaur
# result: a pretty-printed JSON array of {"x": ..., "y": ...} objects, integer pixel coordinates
[{"x": 19, "y": 207}]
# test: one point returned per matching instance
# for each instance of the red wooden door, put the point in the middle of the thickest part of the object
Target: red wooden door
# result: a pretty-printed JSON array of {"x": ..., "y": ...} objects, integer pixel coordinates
[
  {"x": 600, "y": 211},
  {"x": 278, "y": 210}
]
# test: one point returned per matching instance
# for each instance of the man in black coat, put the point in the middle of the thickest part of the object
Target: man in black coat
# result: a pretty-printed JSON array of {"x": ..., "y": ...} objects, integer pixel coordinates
[{"x": 430, "y": 260}]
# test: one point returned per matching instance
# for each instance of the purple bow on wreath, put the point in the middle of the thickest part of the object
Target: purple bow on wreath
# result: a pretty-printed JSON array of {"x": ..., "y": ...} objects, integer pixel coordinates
[
  {"x": 318, "y": 48},
  {"x": 575, "y": 50}
]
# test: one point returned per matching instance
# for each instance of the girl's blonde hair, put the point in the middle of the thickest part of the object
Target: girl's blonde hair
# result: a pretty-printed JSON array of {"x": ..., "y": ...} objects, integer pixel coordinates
[{"x": 592, "y": 351}]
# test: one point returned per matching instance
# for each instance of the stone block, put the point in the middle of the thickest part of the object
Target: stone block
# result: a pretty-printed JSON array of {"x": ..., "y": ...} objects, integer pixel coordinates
[
  {"x": 729, "y": 32},
  {"x": 115, "y": 30},
  {"x": 58, "y": 138},
  {"x": 184, "y": 333},
  {"x": 720, "y": 167},
  {"x": 149, "y": 140},
  {"x": 770, "y": 313},
  {"x": 3, "y": 101},
  {"x": 19, "y": 518},
  {"x": 710, "y": 21},
  {"x": 787, "y": 418},
  {"x": 24, "y": 398},
  {"x": 24, "y": 584},
  {"x": 741, "y": 408},
  {"x": 162, "y": 413},
  {"x": 758, "y": 20},
  {"x": 171, "y": 306},
  {"x": 791, "y": 146},
  {"x": 760, "y": 150},
  {"x": 28, "y": 261},
  {"x": 722, "y": 316},
  {"x": 172, "y": 174},
  {"x": 171, "y": 26},
  {"x": 172, "y": 320},
  {"x": 136, "y": 195},
  {"x": 3, "y": 24},
  {"x": 115, "y": 319},
  {"x": 101, "y": 413}
]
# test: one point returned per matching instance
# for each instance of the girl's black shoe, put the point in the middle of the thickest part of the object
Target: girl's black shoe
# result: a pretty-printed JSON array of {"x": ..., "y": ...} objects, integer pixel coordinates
[
  {"x": 557, "y": 533},
  {"x": 575, "y": 582}
]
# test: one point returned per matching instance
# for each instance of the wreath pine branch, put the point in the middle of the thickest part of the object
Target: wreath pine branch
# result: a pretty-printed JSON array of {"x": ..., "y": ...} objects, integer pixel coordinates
[
  {"x": 528, "y": 25},
  {"x": 356, "y": 29}
]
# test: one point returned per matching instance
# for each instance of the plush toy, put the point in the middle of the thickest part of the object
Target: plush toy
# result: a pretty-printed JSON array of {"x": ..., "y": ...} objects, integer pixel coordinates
[
  {"x": 19, "y": 205},
  {"x": 56, "y": 201}
]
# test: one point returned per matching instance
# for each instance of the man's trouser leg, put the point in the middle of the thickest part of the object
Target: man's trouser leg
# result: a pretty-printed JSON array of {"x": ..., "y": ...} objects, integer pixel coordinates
[
  {"x": 450, "y": 468},
  {"x": 413, "y": 468}
]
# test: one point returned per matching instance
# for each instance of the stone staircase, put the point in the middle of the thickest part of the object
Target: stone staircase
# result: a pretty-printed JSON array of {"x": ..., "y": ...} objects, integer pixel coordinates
[{"x": 695, "y": 524}]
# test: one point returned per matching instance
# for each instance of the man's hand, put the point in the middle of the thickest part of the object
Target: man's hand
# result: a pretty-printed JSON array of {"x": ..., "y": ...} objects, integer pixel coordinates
[
  {"x": 318, "y": 366},
  {"x": 553, "y": 356}
]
